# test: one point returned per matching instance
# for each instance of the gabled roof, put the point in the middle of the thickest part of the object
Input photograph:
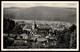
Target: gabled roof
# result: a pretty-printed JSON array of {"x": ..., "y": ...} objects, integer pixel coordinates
[
  {"x": 27, "y": 27},
  {"x": 41, "y": 39}
]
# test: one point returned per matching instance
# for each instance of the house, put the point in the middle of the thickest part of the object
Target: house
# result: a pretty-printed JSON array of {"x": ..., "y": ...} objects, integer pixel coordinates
[
  {"x": 13, "y": 35},
  {"x": 51, "y": 38},
  {"x": 42, "y": 39},
  {"x": 5, "y": 35},
  {"x": 21, "y": 22},
  {"x": 34, "y": 37},
  {"x": 24, "y": 36},
  {"x": 27, "y": 27}
]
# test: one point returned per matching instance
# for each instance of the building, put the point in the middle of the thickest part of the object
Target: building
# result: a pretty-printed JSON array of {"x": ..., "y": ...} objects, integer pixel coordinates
[
  {"x": 30, "y": 27},
  {"x": 27, "y": 27},
  {"x": 34, "y": 37},
  {"x": 34, "y": 26},
  {"x": 52, "y": 40},
  {"x": 43, "y": 28},
  {"x": 24, "y": 36}
]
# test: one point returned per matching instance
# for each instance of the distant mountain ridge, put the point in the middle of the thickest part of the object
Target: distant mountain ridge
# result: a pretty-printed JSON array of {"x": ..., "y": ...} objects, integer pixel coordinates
[{"x": 42, "y": 13}]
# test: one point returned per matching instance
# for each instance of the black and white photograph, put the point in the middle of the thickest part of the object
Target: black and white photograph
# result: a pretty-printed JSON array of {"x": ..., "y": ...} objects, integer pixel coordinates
[{"x": 40, "y": 25}]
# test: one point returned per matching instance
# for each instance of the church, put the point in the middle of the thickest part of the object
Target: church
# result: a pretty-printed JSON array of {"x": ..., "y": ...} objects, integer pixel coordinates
[{"x": 35, "y": 29}]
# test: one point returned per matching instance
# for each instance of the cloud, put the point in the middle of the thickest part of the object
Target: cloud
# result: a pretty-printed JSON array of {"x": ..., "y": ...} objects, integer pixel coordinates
[{"x": 39, "y": 4}]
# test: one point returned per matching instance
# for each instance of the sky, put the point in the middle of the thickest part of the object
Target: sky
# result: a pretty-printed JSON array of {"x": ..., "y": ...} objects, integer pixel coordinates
[{"x": 28, "y": 5}]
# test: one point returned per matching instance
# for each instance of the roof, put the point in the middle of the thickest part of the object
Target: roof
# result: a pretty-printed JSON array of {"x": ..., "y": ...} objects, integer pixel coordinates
[
  {"x": 5, "y": 35},
  {"x": 27, "y": 27},
  {"x": 12, "y": 35},
  {"x": 37, "y": 35},
  {"x": 33, "y": 37},
  {"x": 44, "y": 26},
  {"x": 47, "y": 37},
  {"x": 24, "y": 36},
  {"x": 11, "y": 38},
  {"x": 41, "y": 39},
  {"x": 50, "y": 37},
  {"x": 18, "y": 37}
]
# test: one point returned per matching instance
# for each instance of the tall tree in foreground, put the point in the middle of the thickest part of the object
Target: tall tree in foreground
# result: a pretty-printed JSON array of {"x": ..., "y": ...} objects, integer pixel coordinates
[{"x": 8, "y": 25}]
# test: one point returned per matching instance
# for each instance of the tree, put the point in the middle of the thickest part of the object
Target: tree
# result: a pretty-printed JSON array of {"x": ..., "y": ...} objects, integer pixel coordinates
[
  {"x": 73, "y": 36},
  {"x": 17, "y": 29},
  {"x": 8, "y": 25},
  {"x": 7, "y": 42}
]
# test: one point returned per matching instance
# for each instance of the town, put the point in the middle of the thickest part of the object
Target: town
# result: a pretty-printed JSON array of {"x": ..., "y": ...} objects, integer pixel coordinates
[{"x": 39, "y": 35}]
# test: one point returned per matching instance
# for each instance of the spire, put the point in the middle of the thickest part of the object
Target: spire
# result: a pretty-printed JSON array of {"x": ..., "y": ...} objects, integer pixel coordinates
[{"x": 33, "y": 25}]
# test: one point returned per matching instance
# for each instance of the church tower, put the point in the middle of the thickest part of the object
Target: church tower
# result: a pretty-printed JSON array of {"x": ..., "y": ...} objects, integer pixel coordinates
[{"x": 33, "y": 25}]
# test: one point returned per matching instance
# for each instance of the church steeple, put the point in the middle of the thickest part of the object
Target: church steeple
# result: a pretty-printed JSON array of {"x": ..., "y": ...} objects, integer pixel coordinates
[{"x": 33, "y": 25}]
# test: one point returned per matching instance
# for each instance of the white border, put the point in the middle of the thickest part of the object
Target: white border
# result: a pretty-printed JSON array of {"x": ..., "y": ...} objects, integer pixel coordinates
[{"x": 39, "y": 2}]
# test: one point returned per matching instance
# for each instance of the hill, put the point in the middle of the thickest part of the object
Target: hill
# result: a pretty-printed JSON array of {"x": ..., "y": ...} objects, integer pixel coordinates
[{"x": 42, "y": 13}]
